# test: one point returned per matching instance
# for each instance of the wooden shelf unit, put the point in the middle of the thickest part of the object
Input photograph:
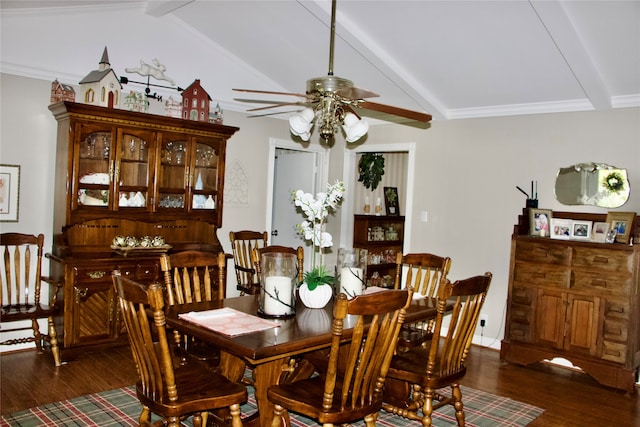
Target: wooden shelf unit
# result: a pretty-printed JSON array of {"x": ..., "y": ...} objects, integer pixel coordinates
[
  {"x": 132, "y": 174},
  {"x": 575, "y": 300},
  {"x": 383, "y": 237}
]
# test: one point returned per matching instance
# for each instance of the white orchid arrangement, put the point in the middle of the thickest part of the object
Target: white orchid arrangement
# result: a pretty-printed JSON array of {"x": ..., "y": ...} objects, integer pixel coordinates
[{"x": 316, "y": 210}]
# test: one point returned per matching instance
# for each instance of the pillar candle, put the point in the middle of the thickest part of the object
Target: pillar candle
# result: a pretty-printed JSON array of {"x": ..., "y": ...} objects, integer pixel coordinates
[
  {"x": 281, "y": 305},
  {"x": 351, "y": 281}
]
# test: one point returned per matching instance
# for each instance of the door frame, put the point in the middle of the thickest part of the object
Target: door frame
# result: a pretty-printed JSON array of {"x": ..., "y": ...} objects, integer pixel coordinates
[
  {"x": 321, "y": 175},
  {"x": 350, "y": 170}
]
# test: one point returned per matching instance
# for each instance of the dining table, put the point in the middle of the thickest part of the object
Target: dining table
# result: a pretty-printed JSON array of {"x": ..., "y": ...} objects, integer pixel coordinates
[{"x": 273, "y": 353}]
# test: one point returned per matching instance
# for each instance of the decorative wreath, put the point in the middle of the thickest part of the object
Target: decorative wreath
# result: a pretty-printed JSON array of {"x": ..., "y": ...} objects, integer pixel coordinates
[{"x": 613, "y": 182}]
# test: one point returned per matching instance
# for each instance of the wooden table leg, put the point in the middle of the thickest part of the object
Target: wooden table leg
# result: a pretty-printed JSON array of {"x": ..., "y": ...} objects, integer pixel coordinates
[{"x": 267, "y": 374}]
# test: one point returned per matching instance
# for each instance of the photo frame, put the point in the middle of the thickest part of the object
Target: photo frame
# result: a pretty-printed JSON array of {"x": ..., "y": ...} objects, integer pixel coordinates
[
  {"x": 540, "y": 222},
  {"x": 9, "y": 192},
  {"x": 560, "y": 228},
  {"x": 622, "y": 222},
  {"x": 599, "y": 232},
  {"x": 581, "y": 230},
  {"x": 391, "y": 201}
]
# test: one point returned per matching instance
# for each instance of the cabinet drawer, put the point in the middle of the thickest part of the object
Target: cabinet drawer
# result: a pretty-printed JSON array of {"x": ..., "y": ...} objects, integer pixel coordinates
[
  {"x": 603, "y": 259},
  {"x": 614, "y": 352},
  {"x": 93, "y": 274},
  {"x": 617, "y": 309},
  {"x": 615, "y": 330},
  {"x": 542, "y": 253},
  {"x": 550, "y": 276},
  {"x": 602, "y": 282},
  {"x": 145, "y": 273}
]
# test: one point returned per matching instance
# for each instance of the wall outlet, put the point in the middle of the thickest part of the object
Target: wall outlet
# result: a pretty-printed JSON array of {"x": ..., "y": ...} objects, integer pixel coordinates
[{"x": 483, "y": 320}]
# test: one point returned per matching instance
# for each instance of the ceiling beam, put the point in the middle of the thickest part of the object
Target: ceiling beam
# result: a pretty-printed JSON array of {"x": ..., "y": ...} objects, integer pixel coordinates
[
  {"x": 159, "y": 8},
  {"x": 561, "y": 30}
]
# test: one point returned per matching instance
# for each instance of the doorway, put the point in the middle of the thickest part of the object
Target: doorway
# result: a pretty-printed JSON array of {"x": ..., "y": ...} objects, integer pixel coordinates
[{"x": 291, "y": 168}]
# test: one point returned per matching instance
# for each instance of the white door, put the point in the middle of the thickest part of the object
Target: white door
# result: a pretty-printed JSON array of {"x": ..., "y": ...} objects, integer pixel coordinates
[{"x": 293, "y": 170}]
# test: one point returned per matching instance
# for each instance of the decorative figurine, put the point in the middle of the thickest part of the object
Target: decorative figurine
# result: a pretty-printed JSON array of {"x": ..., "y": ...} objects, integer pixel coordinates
[
  {"x": 197, "y": 102},
  {"x": 102, "y": 86},
  {"x": 156, "y": 72},
  {"x": 62, "y": 92}
]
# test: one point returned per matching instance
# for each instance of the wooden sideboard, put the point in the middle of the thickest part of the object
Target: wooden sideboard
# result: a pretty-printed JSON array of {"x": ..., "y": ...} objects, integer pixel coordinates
[
  {"x": 383, "y": 237},
  {"x": 575, "y": 300},
  {"x": 132, "y": 174}
]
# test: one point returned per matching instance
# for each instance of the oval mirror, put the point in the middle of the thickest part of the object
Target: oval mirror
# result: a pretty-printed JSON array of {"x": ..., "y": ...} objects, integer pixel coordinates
[{"x": 596, "y": 184}]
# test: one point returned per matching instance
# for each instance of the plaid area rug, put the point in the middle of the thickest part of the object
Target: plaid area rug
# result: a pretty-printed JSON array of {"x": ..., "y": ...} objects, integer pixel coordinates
[{"x": 120, "y": 407}]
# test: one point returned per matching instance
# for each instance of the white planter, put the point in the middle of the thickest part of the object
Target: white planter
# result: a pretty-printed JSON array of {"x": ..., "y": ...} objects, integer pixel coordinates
[{"x": 317, "y": 298}]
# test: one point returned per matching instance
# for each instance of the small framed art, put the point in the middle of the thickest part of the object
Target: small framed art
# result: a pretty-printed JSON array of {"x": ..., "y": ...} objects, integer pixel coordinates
[
  {"x": 560, "y": 228},
  {"x": 9, "y": 192},
  {"x": 539, "y": 222},
  {"x": 581, "y": 230},
  {"x": 391, "y": 201},
  {"x": 599, "y": 232},
  {"x": 622, "y": 222}
]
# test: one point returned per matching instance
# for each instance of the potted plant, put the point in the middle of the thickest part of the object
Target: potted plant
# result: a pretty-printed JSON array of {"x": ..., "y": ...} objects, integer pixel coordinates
[{"x": 317, "y": 288}]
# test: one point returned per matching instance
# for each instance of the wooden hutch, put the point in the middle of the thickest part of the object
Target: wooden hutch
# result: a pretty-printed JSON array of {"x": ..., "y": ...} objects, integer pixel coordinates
[
  {"x": 383, "y": 237},
  {"x": 575, "y": 300},
  {"x": 131, "y": 174}
]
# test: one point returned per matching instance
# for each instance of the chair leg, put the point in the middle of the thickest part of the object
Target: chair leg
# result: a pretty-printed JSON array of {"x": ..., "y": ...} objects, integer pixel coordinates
[
  {"x": 370, "y": 420},
  {"x": 36, "y": 334},
  {"x": 427, "y": 407},
  {"x": 457, "y": 404},
  {"x": 236, "y": 419},
  {"x": 53, "y": 340},
  {"x": 280, "y": 417},
  {"x": 145, "y": 416}
]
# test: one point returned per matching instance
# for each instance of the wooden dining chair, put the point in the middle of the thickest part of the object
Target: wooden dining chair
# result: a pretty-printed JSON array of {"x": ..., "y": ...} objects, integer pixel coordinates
[
  {"x": 351, "y": 387},
  {"x": 194, "y": 276},
  {"x": 164, "y": 387},
  {"x": 21, "y": 292},
  {"x": 423, "y": 272},
  {"x": 242, "y": 243},
  {"x": 416, "y": 376}
]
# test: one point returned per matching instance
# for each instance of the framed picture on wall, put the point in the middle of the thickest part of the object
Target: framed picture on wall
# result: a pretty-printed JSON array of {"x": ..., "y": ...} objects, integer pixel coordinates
[
  {"x": 9, "y": 192},
  {"x": 622, "y": 222},
  {"x": 391, "y": 201}
]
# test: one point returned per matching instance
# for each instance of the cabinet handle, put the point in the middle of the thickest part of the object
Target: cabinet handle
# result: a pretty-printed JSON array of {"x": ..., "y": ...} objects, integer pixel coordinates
[
  {"x": 96, "y": 274},
  {"x": 81, "y": 294},
  {"x": 601, "y": 259}
]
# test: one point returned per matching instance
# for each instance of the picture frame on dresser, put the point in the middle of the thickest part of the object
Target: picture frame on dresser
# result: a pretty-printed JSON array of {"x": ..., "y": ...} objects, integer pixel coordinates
[
  {"x": 622, "y": 222},
  {"x": 581, "y": 230},
  {"x": 560, "y": 228},
  {"x": 540, "y": 222},
  {"x": 599, "y": 232}
]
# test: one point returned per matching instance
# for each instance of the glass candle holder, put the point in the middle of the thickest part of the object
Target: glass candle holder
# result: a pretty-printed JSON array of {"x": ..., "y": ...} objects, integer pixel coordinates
[
  {"x": 352, "y": 271},
  {"x": 278, "y": 274}
]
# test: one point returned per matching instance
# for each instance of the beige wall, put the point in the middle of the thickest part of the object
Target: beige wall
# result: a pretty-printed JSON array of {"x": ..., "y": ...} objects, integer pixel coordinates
[{"x": 466, "y": 173}]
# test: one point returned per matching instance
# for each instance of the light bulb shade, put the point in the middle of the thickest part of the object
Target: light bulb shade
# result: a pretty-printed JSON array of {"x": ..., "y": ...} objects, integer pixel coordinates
[
  {"x": 300, "y": 123},
  {"x": 354, "y": 128}
]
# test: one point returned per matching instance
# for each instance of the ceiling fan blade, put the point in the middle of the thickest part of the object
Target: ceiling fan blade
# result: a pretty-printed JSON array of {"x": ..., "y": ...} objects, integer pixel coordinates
[
  {"x": 396, "y": 111},
  {"x": 283, "y": 104},
  {"x": 349, "y": 109},
  {"x": 355, "y": 93},
  {"x": 268, "y": 92}
]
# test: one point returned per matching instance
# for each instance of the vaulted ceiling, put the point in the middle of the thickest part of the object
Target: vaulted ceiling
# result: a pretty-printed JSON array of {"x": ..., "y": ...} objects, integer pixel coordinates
[{"x": 451, "y": 59}]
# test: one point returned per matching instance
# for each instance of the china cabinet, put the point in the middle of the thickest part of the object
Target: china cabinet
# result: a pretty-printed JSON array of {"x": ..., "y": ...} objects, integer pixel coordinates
[
  {"x": 130, "y": 174},
  {"x": 575, "y": 300},
  {"x": 382, "y": 237}
]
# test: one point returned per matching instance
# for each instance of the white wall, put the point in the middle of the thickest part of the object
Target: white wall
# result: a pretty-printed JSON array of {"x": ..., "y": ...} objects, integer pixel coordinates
[{"x": 466, "y": 173}]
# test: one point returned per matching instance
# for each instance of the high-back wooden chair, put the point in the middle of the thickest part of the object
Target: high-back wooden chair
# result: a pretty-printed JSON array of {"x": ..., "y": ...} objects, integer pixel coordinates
[
  {"x": 423, "y": 272},
  {"x": 442, "y": 364},
  {"x": 21, "y": 288},
  {"x": 351, "y": 388},
  {"x": 298, "y": 252},
  {"x": 164, "y": 387},
  {"x": 242, "y": 243},
  {"x": 194, "y": 276}
]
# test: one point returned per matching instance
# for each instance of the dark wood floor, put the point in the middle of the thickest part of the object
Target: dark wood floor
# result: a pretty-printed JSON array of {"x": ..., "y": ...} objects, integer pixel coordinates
[{"x": 569, "y": 398}]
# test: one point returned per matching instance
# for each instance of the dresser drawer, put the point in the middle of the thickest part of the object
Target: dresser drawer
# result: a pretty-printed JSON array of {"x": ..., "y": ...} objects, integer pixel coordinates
[
  {"x": 603, "y": 259},
  {"x": 543, "y": 253},
  {"x": 551, "y": 276},
  {"x": 145, "y": 273},
  {"x": 93, "y": 274},
  {"x": 601, "y": 282},
  {"x": 614, "y": 352}
]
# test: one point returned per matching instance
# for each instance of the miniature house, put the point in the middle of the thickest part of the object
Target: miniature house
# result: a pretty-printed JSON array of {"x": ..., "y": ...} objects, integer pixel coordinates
[
  {"x": 216, "y": 115},
  {"x": 195, "y": 103},
  {"x": 136, "y": 101},
  {"x": 101, "y": 87},
  {"x": 62, "y": 92},
  {"x": 173, "y": 108}
]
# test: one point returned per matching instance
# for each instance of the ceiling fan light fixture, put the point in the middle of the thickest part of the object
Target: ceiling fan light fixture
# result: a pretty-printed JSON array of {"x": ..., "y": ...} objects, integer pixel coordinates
[
  {"x": 354, "y": 128},
  {"x": 300, "y": 123}
]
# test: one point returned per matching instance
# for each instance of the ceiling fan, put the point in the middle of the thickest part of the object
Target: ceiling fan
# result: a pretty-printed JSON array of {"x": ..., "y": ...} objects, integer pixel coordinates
[{"x": 334, "y": 101}]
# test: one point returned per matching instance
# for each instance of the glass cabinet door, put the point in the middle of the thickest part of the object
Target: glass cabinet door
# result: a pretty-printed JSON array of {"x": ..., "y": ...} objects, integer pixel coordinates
[
  {"x": 173, "y": 172},
  {"x": 133, "y": 168},
  {"x": 205, "y": 176},
  {"x": 94, "y": 171}
]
